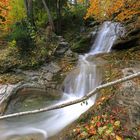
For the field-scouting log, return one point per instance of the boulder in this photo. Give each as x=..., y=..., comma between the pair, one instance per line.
x=129, y=98
x=131, y=40
x=60, y=38
x=62, y=48
x=52, y=67
x=127, y=43
x=23, y=97
x=48, y=76
x=82, y=45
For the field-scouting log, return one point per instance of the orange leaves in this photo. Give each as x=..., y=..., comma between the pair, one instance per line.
x=4, y=7
x=119, y=10
x=4, y=11
x=98, y=124
x=11, y=11
x=91, y=129
x=80, y=1
x=93, y=9
x=126, y=15
x=100, y=127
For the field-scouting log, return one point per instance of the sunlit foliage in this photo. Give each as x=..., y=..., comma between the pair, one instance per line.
x=18, y=10
x=118, y=10
x=11, y=11
x=4, y=11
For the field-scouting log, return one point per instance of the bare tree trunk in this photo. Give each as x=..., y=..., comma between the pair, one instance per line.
x=29, y=10
x=75, y=2
x=90, y=94
x=58, y=12
x=49, y=15
x=26, y=6
x=86, y=3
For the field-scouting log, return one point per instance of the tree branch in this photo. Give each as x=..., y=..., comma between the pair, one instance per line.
x=49, y=15
x=93, y=92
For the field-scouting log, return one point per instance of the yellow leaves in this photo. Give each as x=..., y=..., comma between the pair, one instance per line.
x=12, y=44
x=94, y=9
x=11, y=11
x=80, y=1
x=120, y=10
x=117, y=123
x=4, y=11
x=118, y=137
x=127, y=14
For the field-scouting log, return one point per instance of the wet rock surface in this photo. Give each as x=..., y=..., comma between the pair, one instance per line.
x=129, y=98
x=62, y=48
x=82, y=44
x=121, y=101
x=30, y=99
x=36, y=88
x=129, y=41
x=37, y=136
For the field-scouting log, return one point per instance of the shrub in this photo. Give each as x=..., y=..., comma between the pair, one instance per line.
x=74, y=15
x=21, y=34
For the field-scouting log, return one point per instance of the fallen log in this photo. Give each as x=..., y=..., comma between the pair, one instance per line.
x=91, y=93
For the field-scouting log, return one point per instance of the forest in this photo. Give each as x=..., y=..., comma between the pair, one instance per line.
x=69, y=69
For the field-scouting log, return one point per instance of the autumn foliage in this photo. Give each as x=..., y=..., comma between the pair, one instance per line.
x=117, y=10
x=11, y=11
x=4, y=11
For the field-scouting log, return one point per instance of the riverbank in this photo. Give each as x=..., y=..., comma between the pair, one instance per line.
x=115, y=113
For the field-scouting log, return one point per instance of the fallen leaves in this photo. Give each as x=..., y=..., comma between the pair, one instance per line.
x=105, y=125
x=117, y=123
x=101, y=126
x=118, y=137
x=108, y=121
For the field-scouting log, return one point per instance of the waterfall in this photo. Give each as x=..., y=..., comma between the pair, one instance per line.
x=107, y=35
x=78, y=83
x=87, y=77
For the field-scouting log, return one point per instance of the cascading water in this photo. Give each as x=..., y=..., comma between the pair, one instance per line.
x=78, y=83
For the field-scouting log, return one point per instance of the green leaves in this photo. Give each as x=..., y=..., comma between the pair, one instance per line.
x=12, y=43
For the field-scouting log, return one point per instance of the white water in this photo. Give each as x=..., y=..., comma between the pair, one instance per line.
x=79, y=82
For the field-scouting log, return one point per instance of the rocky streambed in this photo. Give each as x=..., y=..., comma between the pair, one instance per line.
x=43, y=87
x=22, y=90
x=116, y=111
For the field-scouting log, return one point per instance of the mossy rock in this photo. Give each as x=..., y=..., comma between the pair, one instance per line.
x=82, y=45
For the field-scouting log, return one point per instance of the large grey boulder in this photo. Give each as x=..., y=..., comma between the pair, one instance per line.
x=132, y=39
x=62, y=48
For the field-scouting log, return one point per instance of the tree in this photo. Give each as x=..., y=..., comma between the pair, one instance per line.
x=58, y=12
x=11, y=11
x=29, y=10
x=84, y=2
x=75, y=2
x=4, y=10
x=49, y=15
x=117, y=10
x=54, y=7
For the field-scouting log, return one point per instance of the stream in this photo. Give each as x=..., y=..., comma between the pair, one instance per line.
x=77, y=84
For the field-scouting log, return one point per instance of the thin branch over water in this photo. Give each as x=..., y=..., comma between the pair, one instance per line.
x=93, y=92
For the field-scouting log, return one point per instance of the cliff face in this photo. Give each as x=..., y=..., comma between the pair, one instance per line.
x=131, y=38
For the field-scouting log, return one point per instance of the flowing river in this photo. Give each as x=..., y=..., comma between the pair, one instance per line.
x=77, y=84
